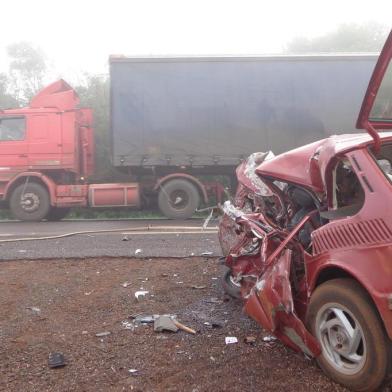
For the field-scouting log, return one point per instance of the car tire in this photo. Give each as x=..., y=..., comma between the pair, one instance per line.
x=57, y=213
x=355, y=348
x=178, y=199
x=229, y=285
x=29, y=202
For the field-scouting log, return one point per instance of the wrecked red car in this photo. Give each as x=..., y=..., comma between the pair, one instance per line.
x=308, y=243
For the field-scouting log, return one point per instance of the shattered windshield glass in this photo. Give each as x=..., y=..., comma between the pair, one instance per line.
x=382, y=108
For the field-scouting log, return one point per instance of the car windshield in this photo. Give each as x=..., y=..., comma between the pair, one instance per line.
x=382, y=108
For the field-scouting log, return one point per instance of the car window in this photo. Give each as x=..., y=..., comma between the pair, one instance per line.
x=12, y=128
x=348, y=194
x=383, y=158
x=382, y=108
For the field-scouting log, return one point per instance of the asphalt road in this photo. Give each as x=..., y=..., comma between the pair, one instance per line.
x=141, y=238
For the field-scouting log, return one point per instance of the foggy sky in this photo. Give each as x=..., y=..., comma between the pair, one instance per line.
x=79, y=35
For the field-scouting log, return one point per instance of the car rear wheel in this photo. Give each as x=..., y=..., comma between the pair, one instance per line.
x=178, y=199
x=30, y=202
x=355, y=348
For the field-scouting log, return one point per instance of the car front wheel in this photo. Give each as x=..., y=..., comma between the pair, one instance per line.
x=355, y=348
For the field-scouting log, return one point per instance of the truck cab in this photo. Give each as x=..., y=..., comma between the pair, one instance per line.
x=45, y=146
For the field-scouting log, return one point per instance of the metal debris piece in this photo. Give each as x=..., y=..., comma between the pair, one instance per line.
x=250, y=340
x=165, y=323
x=198, y=287
x=138, y=251
x=231, y=339
x=140, y=294
x=125, y=238
x=34, y=309
x=207, y=254
x=128, y=325
x=144, y=319
x=213, y=300
x=56, y=360
x=102, y=334
x=133, y=372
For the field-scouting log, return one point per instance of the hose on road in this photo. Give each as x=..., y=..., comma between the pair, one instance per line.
x=140, y=230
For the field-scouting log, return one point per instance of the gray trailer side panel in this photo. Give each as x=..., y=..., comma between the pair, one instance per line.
x=217, y=111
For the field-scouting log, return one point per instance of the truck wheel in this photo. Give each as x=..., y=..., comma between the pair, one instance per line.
x=178, y=199
x=230, y=286
x=29, y=202
x=57, y=213
x=355, y=348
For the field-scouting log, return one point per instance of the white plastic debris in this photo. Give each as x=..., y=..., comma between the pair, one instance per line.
x=269, y=338
x=102, y=334
x=141, y=294
x=128, y=325
x=138, y=251
x=133, y=372
x=125, y=284
x=34, y=309
x=231, y=339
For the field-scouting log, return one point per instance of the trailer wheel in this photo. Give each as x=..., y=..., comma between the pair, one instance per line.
x=29, y=202
x=355, y=348
x=57, y=213
x=178, y=199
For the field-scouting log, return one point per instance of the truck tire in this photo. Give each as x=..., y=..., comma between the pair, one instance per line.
x=57, y=213
x=355, y=348
x=29, y=202
x=178, y=199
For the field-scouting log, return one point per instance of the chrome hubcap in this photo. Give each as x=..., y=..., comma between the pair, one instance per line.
x=341, y=338
x=29, y=202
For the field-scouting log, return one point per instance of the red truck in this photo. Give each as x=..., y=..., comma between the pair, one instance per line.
x=174, y=122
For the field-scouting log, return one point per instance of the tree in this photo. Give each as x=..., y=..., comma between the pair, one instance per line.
x=27, y=70
x=7, y=100
x=368, y=37
x=94, y=94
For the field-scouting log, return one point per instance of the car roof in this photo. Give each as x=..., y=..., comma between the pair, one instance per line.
x=305, y=165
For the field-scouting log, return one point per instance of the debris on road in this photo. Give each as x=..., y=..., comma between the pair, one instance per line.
x=198, y=287
x=126, y=284
x=165, y=323
x=102, y=334
x=207, y=253
x=250, y=340
x=138, y=252
x=231, y=339
x=141, y=294
x=133, y=372
x=125, y=238
x=144, y=319
x=34, y=309
x=269, y=338
x=128, y=325
x=56, y=360
x=183, y=327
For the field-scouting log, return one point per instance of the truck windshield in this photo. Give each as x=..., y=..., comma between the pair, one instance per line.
x=382, y=108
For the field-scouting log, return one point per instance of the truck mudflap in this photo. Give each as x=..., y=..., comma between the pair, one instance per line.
x=270, y=303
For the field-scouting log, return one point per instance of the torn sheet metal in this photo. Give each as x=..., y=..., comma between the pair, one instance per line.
x=271, y=305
